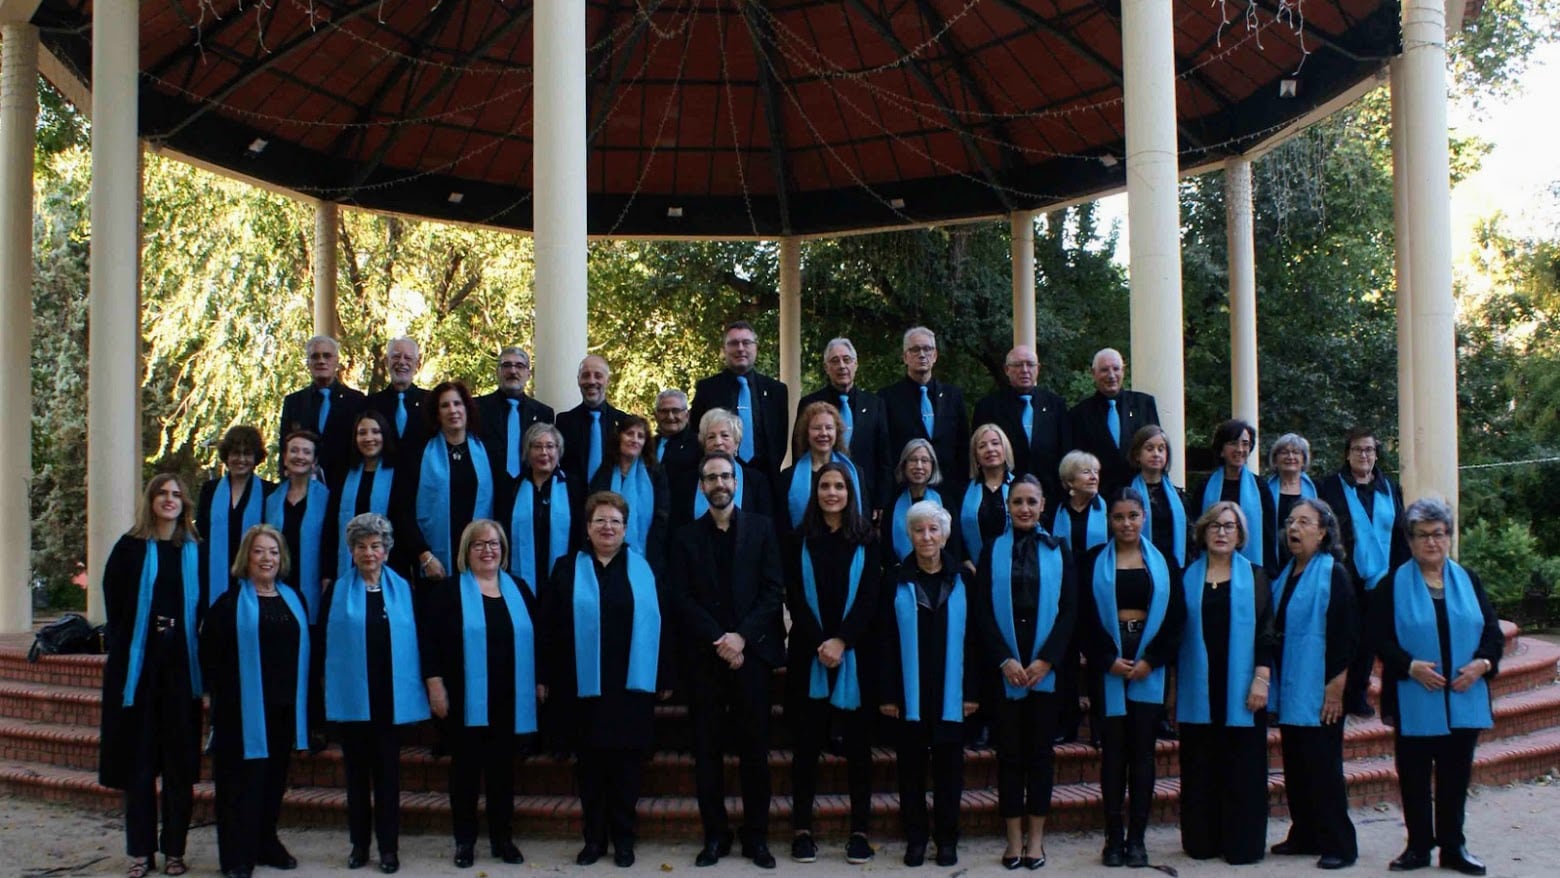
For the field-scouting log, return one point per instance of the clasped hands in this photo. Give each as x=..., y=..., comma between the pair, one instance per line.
x=1131, y=670
x=1024, y=677
x=1426, y=674
x=729, y=647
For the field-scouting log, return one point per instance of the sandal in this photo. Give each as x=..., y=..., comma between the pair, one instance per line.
x=174, y=866
x=140, y=867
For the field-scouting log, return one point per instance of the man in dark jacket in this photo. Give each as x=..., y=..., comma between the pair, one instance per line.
x=761, y=402
x=866, y=424
x=326, y=406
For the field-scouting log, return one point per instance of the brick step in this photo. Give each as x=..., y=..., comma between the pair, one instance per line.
x=1076, y=806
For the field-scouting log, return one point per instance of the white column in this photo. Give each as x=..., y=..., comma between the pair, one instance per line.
x=1408, y=456
x=1240, y=240
x=327, y=320
x=1433, y=311
x=558, y=181
x=18, y=116
x=113, y=470
x=1023, y=222
x=1153, y=215
x=791, y=318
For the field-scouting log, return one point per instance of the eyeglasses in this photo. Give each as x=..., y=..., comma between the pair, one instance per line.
x=921, y=350
x=670, y=412
x=741, y=342
x=518, y=367
x=544, y=446
x=1301, y=522
x=1363, y=450
x=486, y=545
x=606, y=522
x=1434, y=536
x=1224, y=527
x=715, y=478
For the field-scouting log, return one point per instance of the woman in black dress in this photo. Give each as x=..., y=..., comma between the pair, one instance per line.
x=604, y=662
x=631, y=471
x=229, y=505
x=832, y=585
x=447, y=484
x=1166, y=523
x=1287, y=482
x=479, y=664
x=982, y=511
x=367, y=487
x=1222, y=685
x=151, y=679
x=254, y=648
x=542, y=525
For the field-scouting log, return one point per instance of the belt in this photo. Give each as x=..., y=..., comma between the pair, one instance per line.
x=1131, y=626
x=164, y=623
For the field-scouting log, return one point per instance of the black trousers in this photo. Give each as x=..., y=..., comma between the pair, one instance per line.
x=1025, y=758
x=1127, y=755
x=481, y=757
x=371, y=752
x=165, y=745
x=1451, y=758
x=249, y=791
x=1318, y=799
x=914, y=749
x=731, y=707
x=1224, y=791
x=813, y=722
x=609, y=783
x=1357, y=683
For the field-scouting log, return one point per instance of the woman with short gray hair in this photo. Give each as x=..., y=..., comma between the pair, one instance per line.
x=918, y=476
x=1287, y=482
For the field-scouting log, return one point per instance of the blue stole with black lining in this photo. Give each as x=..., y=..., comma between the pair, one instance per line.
x=1096, y=530
x=522, y=543
x=307, y=565
x=639, y=491
x=433, y=494
x=800, y=488
x=346, y=510
x=346, y=651
x=1307, y=489
x=1422, y=712
x=905, y=615
x=702, y=505
x=218, y=553
x=1301, y=672
x=644, y=642
x=899, y=528
x=251, y=684
x=1049, y=600
x=1150, y=689
x=473, y=632
x=846, y=694
x=189, y=574
x=1177, y=516
x=1191, y=704
x=969, y=515
x=1250, y=506
x=1372, y=533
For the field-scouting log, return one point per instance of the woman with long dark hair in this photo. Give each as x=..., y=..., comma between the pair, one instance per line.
x=366, y=487
x=449, y=483
x=631, y=471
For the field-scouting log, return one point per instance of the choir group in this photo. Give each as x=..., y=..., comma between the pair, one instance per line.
x=540, y=581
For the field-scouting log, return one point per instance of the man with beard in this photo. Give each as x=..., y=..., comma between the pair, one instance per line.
x=506, y=413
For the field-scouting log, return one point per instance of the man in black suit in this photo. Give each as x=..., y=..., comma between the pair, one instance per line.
x=326, y=406
x=401, y=402
x=866, y=426
x=1038, y=449
x=677, y=447
x=587, y=427
x=727, y=596
x=766, y=417
x=1104, y=424
x=918, y=398
x=506, y=413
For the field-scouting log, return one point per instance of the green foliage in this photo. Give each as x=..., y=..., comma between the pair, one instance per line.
x=1508, y=561
x=1492, y=52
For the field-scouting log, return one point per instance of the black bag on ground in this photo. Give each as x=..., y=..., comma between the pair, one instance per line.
x=70, y=634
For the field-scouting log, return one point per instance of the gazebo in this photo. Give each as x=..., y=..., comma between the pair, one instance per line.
x=784, y=120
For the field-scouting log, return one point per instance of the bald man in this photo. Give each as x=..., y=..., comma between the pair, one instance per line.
x=1034, y=419
x=1104, y=423
x=593, y=419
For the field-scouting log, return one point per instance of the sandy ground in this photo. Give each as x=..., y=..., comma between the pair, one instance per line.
x=1515, y=829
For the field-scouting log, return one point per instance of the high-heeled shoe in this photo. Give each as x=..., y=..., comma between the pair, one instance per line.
x=1011, y=862
x=1033, y=863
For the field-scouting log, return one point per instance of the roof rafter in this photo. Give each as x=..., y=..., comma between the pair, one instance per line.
x=761, y=34
x=957, y=55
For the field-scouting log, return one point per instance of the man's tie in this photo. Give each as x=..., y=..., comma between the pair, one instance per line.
x=847, y=417
x=1028, y=418
x=593, y=457
x=1113, y=421
x=660, y=449
x=512, y=454
x=324, y=409
x=400, y=414
x=745, y=412
x=927, y=420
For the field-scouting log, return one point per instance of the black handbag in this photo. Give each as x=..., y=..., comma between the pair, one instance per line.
x=70, y=634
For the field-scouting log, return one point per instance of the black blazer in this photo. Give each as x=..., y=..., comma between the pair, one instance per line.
x=383, y=401
x=886, y=665
x=902, y=404
x=575, y=426
x=493, y=416
x=1053, y=436
x=301, y=410
x=1137, y=410
x=771, y=413
x=868, y=440
x=1331, y=488
x=754, y=595
x=680, y=461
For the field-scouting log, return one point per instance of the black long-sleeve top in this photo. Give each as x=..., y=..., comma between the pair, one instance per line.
x=279, y=640
x=1229, y=491
x=442, y=646
x=1025, y=586
x=656, y=538
x=379, y=666
x=932, y=591
x=1099, y=647
x=460, y=499
x=1343, y=622
x=235, y=521
x=831, y=557
x=330, y=541
x=1163, y=525
x=1215, y=613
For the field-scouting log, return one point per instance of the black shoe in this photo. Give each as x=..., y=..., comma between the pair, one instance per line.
x=858, y=850
x=277, y=857
x=915, y=855
x=1409, y=860
x=509, y=852
x=1329, y=861
x=1113, y=855
x=465, y=856
x=389, y=863
x=759, y=853
x=624, y=857
x=804, y=849
x=948, y=855
x=588, y=854
x=1461, y=861
x=358, y=858
x=1011, y=863
x=709, y=855
x=1135, y=855
x=1287, y=848
x=237, y=873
